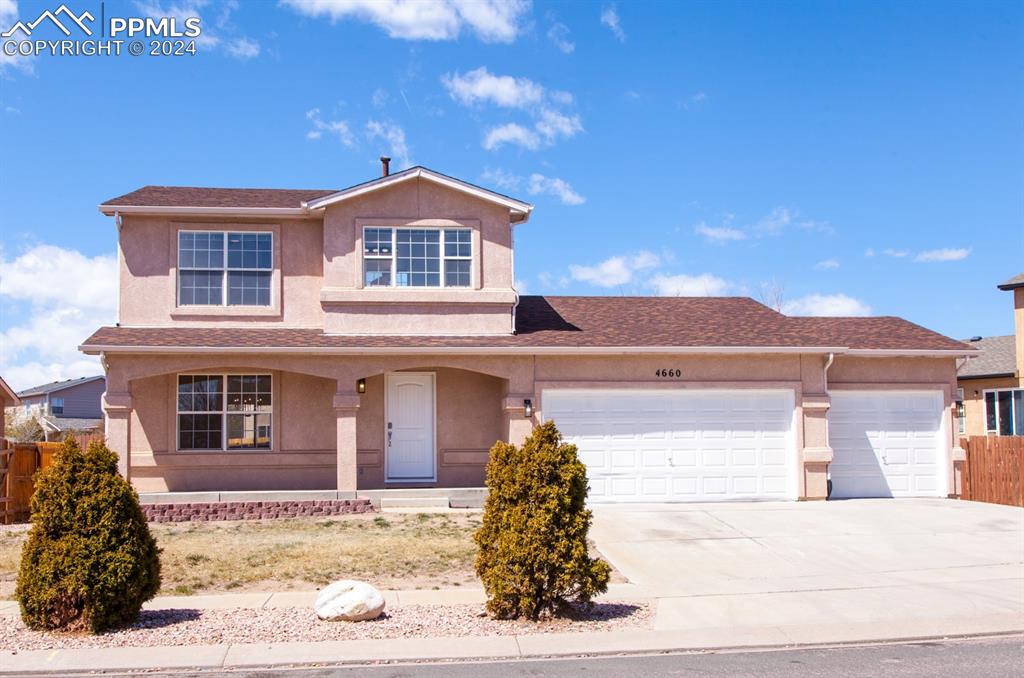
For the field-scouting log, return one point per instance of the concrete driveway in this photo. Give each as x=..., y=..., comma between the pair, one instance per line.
x=898, y=568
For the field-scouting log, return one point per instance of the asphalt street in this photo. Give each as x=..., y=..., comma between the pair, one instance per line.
x=976, y=658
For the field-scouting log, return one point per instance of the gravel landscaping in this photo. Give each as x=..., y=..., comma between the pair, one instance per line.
x=297, y=624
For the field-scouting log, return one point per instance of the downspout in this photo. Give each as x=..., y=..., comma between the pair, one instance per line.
x=512, y=243
x=828, y=364
x=118, y=222
x=828, y=437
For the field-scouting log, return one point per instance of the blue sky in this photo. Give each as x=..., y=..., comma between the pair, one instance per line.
x=848, y=158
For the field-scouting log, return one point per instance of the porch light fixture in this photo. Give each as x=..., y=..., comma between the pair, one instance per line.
x=528, y=407
x=360, y=386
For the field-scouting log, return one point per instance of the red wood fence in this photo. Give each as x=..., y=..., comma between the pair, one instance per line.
x=994, y=470
x=19, y=463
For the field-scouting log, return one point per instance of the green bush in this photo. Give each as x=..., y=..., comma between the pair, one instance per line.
x=90, y=560
x=533, y=557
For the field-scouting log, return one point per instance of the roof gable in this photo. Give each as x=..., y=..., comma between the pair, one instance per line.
x=520, y=210
x=55, y=386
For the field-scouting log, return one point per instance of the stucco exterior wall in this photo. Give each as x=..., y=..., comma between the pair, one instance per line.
x=479, y=400
x=438, y=311
x=974, y=401
x=148, y=274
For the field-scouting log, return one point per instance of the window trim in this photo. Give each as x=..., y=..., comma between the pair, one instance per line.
x=53, y=406
x=224, y=269
x=223, y=412
x=396, y=225
x=1013, y=408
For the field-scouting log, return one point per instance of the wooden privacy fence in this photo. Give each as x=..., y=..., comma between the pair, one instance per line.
x=19, y=463
x=994, y=470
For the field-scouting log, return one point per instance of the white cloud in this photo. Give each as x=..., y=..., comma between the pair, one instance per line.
x=682, y=285
x=481, y=86
x=610, y=18
x=221, y=33
x=945, y=254
x=549, y=124
x=380, y=97
x=615, y=271
x=869, y=252
x=558, y=34
x=826, y=305
x=521, y=286
x=489, y=20
x=719, y=234
x=338, y=128
x=553, y=124
x=540, y=184
x=827, y=264
x=395, y=136
x=694, y=100
x=242, y=48
x=67, y=296
x=896, y=254
x=775, y=222
x=511, y=133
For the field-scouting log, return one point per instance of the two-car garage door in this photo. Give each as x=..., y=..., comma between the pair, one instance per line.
x=708, y=445
x=680, y=445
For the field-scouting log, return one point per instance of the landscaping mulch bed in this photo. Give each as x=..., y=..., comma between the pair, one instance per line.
x=298, y=624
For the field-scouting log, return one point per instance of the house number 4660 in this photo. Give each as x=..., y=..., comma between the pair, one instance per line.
x=668, y=373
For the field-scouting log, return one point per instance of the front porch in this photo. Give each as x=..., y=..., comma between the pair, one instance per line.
x=231, y=426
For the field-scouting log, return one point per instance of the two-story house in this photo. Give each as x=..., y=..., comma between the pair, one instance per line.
x=992, y=382
x=62, y=407
x=372, y=337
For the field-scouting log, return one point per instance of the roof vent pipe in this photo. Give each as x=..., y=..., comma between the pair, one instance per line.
x=385, y=163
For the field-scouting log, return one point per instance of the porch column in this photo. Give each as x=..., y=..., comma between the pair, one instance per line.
x=117, y=411
x=346, y=406
x=817, y=453
x=517, y=425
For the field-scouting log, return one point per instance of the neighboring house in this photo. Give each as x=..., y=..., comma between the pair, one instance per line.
x=7, y=399
x=992, y=383
x=63, y=407
x=372, y=337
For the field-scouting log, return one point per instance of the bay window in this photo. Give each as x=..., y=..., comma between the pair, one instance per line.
x=417, y=257
x=224, y=412
x=223, y=268
x=1004, y=412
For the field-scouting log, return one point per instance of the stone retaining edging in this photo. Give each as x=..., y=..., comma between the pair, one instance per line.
x=253, y=510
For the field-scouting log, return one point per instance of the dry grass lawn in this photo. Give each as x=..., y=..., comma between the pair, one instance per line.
x=392, y=551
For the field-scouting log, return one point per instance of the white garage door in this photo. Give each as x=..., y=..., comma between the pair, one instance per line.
x=655, y=445
x=887, y=444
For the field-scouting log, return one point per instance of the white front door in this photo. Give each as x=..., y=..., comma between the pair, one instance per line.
x=679, y=445
x=887, y=444
x=409, y=426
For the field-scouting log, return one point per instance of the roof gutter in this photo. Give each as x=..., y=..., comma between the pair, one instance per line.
x=112, y=210
x=464, y=350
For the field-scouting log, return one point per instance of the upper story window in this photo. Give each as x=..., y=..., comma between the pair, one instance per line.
x=1004, y=412
x=417, y=257
x=57, y=406
x=221, y=268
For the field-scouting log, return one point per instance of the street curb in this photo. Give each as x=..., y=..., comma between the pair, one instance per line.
x=219, y=656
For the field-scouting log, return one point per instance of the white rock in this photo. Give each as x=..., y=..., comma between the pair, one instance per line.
x=349, y=600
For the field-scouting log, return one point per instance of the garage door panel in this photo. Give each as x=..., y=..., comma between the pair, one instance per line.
x=887, y=444
x=673, y=445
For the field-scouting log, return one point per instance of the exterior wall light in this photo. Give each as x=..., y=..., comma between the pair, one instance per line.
x=528, y=406
x=360, y=386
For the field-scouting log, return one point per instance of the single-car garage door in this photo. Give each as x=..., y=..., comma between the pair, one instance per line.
x=694, y=445
x=887, y=444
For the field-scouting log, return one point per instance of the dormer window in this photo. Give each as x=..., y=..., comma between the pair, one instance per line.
x=417, y=257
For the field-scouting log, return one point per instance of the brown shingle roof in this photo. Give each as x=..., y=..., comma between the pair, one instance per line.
x=586, y=322
x=191, y=196
x=998, y=358
x=1013, y=283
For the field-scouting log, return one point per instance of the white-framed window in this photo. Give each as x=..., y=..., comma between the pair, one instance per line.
x=57, y=406
x=224, y=411
x=417, y=257
x=1004, y=411
x=225, y=268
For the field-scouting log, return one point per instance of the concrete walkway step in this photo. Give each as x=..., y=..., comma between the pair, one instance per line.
x=399, y=502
